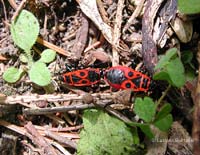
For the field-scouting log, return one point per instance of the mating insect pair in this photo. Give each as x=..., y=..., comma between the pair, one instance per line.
x=118, y=77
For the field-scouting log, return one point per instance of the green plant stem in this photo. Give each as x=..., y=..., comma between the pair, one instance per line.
x=29, y=57
x=163, y=95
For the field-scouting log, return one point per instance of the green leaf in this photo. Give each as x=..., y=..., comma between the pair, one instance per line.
x=25, y=30
x=136, y=139
x=103, y=134
x=47, y=56
x=162, y=75
x=144, y=127
x=12, y=74
x=40, y=74
x=145, y=109
x=147, y=130
x=189, y=6
x=176, y=71
x=186, y=57
x=190, y=74
x=164, y=111
x=166, y=58
x=165, y=123
x=171, y=69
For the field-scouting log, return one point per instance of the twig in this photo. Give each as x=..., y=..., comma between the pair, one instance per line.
x=102, y=100
x=149, y=49
x=134, y=15
x=42, y=111
x=21, y=130
x=18, y=9
x=117, y=114
x=60, y=148
x=163, y=95
x=2, y=58
x=45, y=23
x=39, y=140
x=64, y=129
x=4, y=10
x=81, y=39
x=64, y=141
x=53, y=47
x=51, y=98
x=117, y=33
x=56, y=119
x=196, y=116
x=102, y=11
x=94, y=45
x=13, y=4
x=13, y=127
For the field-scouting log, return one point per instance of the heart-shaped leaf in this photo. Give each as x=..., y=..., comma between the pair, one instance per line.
x=40, y=74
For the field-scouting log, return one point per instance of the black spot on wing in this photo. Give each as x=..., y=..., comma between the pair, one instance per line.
x=93, y=76
x=82, y=73
x=84, y=81
x=75, y=79
x=130, y=74
x=137, y=81
x=67, y=79
x=128, y=85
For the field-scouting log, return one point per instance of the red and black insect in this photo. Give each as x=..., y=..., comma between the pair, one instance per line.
x=82, y=77
x=122, y=77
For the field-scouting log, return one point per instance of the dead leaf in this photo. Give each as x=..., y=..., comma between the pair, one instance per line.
x=183, y=29
x=179, y=143
x=89, y=7
x=158, y=145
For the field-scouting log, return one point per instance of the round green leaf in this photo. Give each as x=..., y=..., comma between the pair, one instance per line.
x=164, y=111
x=12, y=74
x=162, y=75
x=25, y=30
x=40, y=74
x=165, y=123
x=176, y=72
x=47, y=56
x=166, y=58
x=145, y=109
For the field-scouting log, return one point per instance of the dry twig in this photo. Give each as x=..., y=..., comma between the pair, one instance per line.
x=53, y=47
x=51, y=98
x=18, y=9
x=13, y=4
x=134, y=15
x=39, y=140
x=117, y=32
x=196, y=116
x=64, y=141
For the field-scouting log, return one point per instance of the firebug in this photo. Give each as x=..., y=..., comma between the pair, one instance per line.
x=82, y=77
x=122, y=77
